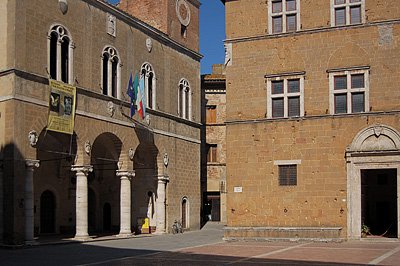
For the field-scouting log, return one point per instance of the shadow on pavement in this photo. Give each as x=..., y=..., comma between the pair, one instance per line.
x=87, y=254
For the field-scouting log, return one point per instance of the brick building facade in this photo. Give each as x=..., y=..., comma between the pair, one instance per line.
x=213, y=171
x=113, y=170
x=312, y=130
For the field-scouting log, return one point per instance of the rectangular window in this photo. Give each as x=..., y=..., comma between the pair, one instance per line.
x=285, y=95
x=211, y=153
x=340, y=15
x=211, y=114
x=357, y=102
x=294, y=106
x=283, y=16
x=294, y=85
x=290, y=5
x=277, y=87
x=277, y=107
x=346, y=12
x=277, y=24
x=349, y=91
x=340, y=103
x=276, y=6
x=288, y=175
x=355, y=14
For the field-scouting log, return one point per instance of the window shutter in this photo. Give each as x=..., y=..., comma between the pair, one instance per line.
x=291, y=22
x=290, y=5
x=277, y=87
x=358, y=102
x=294, y=106
x=355, y=14
x=357, y=81
x=276, y=6
x=277, y=107
x=340, y=14
x=277, y=22
x=340, y=83
x=294, y=85
x=340, y=103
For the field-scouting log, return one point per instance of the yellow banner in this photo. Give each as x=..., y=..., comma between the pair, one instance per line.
x=61, y=107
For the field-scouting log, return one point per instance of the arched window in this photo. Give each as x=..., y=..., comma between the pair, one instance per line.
x=111, y=69
x=150, y=85
x=185, y=100
x=60, y=46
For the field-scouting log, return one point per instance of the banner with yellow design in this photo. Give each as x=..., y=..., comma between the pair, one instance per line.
x=61, y=107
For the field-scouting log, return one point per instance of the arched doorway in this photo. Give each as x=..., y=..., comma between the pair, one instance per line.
x=185, y=212
x=373, y=176
x=144, y=184
x=47, y=212
x=56, y=153
x=103, y=180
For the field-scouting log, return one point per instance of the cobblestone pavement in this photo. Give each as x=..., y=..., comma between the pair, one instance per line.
x=205, y=247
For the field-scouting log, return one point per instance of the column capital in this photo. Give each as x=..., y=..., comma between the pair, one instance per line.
x=82, y=168
x=163, y=178
x=30, y=163
x=126, y=173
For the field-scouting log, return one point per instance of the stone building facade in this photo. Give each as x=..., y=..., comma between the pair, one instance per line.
x=312, y=123
x=113, y=171
x=213, y=171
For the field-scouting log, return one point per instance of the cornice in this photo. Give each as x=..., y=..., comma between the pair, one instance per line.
x=311, y=31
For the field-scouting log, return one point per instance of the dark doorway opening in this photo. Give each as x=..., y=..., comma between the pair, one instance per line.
x=379, y=201
x=107, y=217
x=184, y=209
x=212, y=206
x=47, y=212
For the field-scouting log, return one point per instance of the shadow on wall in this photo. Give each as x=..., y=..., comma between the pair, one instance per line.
x=12, y=195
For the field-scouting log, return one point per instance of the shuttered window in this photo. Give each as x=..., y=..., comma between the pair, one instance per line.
x=211, y=114
x=294, y=106
x=355, y=14
x=340, y=16
x=287, y=175
x=277, y=24
x=357, y=102
x=283, y=16
x=285, y=96
x=276, y=6
x=349, y=91
x=340, y=103
x=294, y=85
x=340, y=83
x=357, y=81
x=291, y=23
x=347, y=12
x=277, y=87
x=211, y=153
x=277, y=107
x=290, y=5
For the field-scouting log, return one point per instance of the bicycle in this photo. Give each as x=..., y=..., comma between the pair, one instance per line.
x=177, y=227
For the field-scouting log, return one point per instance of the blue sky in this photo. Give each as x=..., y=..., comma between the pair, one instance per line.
x=212, y=33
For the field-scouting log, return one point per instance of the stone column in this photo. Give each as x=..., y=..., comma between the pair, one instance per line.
x=82, y=200
x=125, y=202
x=160, y=203
x=29, y=201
